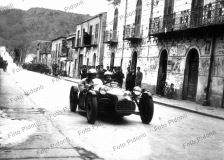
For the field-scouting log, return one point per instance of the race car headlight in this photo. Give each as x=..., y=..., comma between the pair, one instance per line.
x=137, y=90
x=127, y=95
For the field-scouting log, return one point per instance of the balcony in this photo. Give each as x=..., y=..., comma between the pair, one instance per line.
x=208, y=15
x=87, y=39
x=110, y=37
x=132, y=32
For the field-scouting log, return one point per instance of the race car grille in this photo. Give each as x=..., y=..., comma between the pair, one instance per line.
x=125, y=106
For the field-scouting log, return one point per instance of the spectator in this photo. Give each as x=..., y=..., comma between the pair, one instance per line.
x=165, y=89
x=101, y=72
x=130, y=80
x=120, y=76
x=114, y=73
x=84, y=72
x=133, y=79
x=139, y=76
x=108, y=68
x=171, y=92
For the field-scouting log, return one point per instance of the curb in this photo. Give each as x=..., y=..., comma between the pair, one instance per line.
x=189, y=110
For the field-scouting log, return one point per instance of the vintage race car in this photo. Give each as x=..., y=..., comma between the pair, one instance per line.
x=111, y=99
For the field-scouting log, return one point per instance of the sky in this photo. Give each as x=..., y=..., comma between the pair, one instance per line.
x=91, y=7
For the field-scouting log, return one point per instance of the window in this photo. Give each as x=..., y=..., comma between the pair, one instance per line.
x=115, y=19
x=138, y=13
x=168, y=7
x=90, y=30
x=83, y=31
x=56, y=50
x=197, y=3
x=96, y=31
x=78, y=38
x=87, y=63
x=138, y=16
x=73, y=43
x=59, y=49
x=75, y=64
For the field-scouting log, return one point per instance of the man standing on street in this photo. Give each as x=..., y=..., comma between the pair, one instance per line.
x=130, y=79
x=139, y=76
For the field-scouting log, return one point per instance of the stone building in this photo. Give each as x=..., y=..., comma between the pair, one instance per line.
x=45, y=52
x=56, y=51
x=126, y=37
x=189, y=36
x=89, y=48
x=71, y=52
x=173, y=41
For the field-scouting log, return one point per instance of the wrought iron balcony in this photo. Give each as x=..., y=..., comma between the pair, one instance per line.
x=87, y=39
x=210, y=14
x=132, y=32
x=110, y=37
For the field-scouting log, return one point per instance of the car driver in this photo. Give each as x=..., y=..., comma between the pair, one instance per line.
x=107, y=77
x=89, y=81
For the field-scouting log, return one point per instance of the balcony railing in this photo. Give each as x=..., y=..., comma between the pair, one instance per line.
x=110, y=36
x=132, y=32
x=87, y=39
x=210, y=14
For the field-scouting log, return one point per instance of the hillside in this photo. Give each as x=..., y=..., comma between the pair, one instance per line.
x=18, y=26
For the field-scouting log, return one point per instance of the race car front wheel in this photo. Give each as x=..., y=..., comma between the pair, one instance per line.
x=73, y=99
x=146, y=108
x=91, y=109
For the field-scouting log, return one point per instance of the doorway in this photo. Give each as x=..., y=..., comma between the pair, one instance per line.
x=94, y=60
x=134, y=60
x=191, y=76
x=162, y=73
x=112, y=61
x=80, y=63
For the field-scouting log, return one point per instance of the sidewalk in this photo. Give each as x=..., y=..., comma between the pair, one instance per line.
x=23, y=144
x=179, y=104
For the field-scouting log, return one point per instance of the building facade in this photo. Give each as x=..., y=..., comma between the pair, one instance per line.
x=56, y=51
x=189, y=37
x=173, y=41
x=71, y=53
x=126, y=38
x=45, y=52
x=89, y=47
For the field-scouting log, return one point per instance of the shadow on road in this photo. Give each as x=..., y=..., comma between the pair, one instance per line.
x=109, y=119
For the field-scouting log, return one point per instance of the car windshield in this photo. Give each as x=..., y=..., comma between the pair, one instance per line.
x=113, y=84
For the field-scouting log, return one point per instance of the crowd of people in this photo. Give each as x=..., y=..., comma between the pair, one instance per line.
x=133, y=78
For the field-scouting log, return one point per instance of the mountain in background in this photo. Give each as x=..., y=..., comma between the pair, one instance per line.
x=19, y=27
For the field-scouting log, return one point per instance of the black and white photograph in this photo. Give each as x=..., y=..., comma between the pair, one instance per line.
x=112, y=80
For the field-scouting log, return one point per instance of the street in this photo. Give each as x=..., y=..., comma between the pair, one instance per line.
x=36, y=123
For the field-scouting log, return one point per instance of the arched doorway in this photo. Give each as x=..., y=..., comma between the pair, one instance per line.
x=191, y=75
x=80, y=63
x=162, y=73
x=112, y=61
x=134, y=60
x=94, y=59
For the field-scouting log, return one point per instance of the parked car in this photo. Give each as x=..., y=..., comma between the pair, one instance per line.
x=113, y=100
